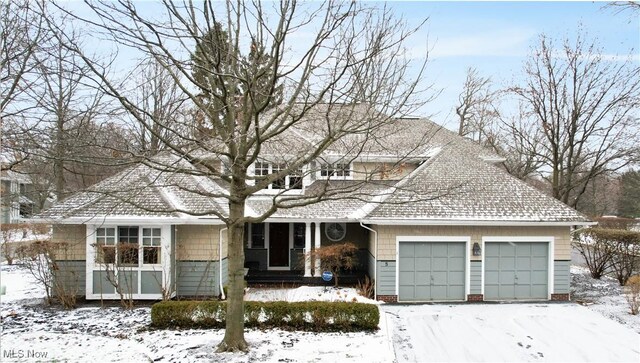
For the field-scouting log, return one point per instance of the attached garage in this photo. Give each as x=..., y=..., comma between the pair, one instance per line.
x=432, y=269
x=517, y=269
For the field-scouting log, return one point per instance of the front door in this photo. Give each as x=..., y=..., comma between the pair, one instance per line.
x=278, y=244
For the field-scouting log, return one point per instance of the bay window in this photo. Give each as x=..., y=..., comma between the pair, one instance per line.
x=122, y=245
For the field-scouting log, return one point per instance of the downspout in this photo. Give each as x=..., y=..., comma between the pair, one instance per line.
x=375, y=260
x=220, y=264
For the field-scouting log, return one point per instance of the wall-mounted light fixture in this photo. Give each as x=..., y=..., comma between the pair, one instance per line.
x=476, y=249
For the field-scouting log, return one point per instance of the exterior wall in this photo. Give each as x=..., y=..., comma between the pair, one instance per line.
x=74, y=237
x=387, y=236
x=386, y=270
x=197, y=278
x=476, y=277
x=355, y=234
x=71, y=275
x=380, y=171
x=386, y=283
x=199, y=243
x=561, y=276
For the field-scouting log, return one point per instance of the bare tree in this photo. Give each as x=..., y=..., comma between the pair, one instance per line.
x=21, y=33
x=582, y=103
x=161, y=99
x=476, y=108
x=349, y=81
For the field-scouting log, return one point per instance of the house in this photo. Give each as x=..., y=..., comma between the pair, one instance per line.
x=16, y=192
x=434, y=216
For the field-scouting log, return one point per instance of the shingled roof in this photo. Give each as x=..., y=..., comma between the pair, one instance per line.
x=149, y=189
x=456, y=186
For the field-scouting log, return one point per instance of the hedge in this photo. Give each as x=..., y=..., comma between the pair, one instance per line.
x=318, y=316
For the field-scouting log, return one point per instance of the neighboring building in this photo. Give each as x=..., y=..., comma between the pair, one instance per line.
x=436, y=220
x=16, y=192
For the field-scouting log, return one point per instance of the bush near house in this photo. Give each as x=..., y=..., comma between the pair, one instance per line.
x=609, y=250
x=317, y=316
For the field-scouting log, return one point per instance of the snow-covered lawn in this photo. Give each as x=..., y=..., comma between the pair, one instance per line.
x=460, y=332
x=112, y=334
x=603, y=296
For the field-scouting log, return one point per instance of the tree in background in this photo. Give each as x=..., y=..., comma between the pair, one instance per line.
x=629, y=201
x=578, y=117
x=476, y=108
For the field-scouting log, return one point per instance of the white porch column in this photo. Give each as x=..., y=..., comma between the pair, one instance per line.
x=317, y=245
x=307, y=249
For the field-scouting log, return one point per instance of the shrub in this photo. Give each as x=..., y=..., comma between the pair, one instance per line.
x=366, y=288
x=596, y=251
x=315, y=316
x=336, y=257
x=632, y=293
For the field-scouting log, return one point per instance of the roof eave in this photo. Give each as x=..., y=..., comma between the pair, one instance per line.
x=452, y=222
x=129, y=220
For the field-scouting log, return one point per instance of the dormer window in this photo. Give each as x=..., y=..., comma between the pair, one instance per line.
x=339, y=170
x=291, y=181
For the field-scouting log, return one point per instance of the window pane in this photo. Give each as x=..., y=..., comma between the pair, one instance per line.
x=257, y=235
x=151, y=255
x=298, y=235
x=128, y=235
x=128, y=254
x=106, y=254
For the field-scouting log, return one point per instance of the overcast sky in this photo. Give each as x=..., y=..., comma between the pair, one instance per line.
x=495, y=38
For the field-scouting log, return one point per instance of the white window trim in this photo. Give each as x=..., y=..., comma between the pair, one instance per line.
x=165, y=261
x=334, y=177
x=542, y=239
x=467, y=263
x=287, y=191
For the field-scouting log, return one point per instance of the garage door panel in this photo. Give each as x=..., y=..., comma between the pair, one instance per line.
x=439, y=250
x=407, y=291
x=539, y=263
x=423, y=264
x=520, y=271
x=407, y=250
x=423, y=277
x=539, y=250
x=406, y=264
x=523, y=262
x=434, y=272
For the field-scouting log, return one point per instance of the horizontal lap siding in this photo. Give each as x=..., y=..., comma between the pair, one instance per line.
x=476, y=277
x=561, y=277
x=197, y=278
x=386, y=278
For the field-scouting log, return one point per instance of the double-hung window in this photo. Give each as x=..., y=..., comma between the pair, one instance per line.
x=106, y=245
x=151, y=242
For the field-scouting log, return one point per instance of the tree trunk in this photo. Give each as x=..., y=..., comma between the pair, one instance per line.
x=234, y=331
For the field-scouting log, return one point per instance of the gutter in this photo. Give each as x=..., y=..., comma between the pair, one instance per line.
x=220, y=263
x=375, y=261
x=470, y=222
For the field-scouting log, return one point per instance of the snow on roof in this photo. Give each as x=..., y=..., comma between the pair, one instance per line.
x=458, y=186
x=454, y=185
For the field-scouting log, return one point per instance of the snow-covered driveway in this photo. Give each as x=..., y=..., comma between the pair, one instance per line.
x=508, y=333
